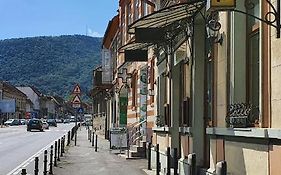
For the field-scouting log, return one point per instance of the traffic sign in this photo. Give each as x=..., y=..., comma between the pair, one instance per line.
x=76, y=100
x=77, y=89
x=74, y=105
x=80, y=110
x=220, y=4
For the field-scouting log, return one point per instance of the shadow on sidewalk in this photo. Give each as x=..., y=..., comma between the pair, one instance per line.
x=83, y=160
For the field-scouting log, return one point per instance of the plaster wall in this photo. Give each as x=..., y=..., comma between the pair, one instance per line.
x=275, y=81
x=246, y=158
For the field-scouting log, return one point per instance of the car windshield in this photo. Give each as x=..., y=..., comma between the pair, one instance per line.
x=50, y=120
x=34, y=121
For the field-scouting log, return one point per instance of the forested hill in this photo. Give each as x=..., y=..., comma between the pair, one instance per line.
x=52, y=64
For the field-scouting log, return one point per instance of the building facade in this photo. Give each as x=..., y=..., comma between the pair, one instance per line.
x=10, y=92
x=211, y=81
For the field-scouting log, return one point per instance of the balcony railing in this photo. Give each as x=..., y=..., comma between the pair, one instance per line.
x=166, y=3
x=241, y=115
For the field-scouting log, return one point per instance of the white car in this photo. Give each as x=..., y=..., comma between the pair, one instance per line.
x=45, y=125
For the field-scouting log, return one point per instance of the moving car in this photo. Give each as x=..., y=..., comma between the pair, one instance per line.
x=35, y=124
x=12, y=122
x=52, y=122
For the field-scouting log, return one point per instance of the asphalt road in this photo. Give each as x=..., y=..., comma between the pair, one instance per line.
x=17, y=145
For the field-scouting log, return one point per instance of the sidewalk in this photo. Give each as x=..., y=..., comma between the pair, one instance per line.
x=83, y=160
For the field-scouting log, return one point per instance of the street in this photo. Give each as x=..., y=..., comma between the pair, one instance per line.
x=17, y=145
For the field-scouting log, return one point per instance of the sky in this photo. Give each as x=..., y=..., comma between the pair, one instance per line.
x=28, y=18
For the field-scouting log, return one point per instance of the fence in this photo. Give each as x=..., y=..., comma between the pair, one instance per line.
x=50, y=157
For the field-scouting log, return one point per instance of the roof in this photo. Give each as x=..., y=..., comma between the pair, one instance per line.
x=12, y=89
x=110, y=32
x=166, y=16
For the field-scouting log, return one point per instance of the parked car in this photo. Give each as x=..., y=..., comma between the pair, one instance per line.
x=23, y=122
x=45, y=125
x=59, y=120
x=52, y=122
x=66, y=121
x=12, y=122
x=35, y=124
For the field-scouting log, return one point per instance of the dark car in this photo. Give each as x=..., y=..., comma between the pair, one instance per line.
x=35, y=124
x=52, y=122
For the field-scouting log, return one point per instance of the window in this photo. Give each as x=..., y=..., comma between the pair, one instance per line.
x=134, y=89
x=185, y=110
x=136, y=10
x=129, y=19
x=253, y=57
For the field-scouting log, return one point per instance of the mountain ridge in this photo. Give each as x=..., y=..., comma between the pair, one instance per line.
x=53, y=64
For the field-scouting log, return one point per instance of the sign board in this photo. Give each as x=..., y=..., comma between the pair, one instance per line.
x=8, y=106
x=123, y=104
x=107, y=73
x=136, y=55
x=118, y=138
x=76, y=90
x=143, y=100
x=76, y=100
x=220, y=4
x=80, y=110
x=76, y=105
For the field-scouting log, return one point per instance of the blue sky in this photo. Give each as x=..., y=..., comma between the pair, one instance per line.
x=27, y=18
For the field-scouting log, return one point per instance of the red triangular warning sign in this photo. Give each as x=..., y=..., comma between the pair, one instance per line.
x=76, y=100
x=76, y=90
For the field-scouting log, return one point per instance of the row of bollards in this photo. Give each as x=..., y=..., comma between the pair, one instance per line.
x=93, y=139
x=56, y=151
x=221, y=167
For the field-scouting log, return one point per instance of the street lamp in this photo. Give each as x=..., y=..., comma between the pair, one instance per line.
x=213, y=31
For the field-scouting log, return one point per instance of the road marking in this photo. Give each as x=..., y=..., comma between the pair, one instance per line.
x=25, y=163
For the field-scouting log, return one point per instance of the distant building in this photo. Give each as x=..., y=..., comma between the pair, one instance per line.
x=34, y=95
x=9, y=92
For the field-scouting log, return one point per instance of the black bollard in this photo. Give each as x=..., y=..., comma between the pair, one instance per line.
x=51, y=160
x=191, y=160
x=68, y=138
x=75, y=139
x=72, y=133
x=45, y=162
x=168, y=161
x=56, y=150
x=221, y=168
x=149, y=156
x=90, y=136
x=61, y=151
x=23, y=172
x=175, y=156
x=36, y=168
x=93, y=139
x=96, y=144
x=158, y=164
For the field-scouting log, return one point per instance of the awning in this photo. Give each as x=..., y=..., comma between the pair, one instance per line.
x=135, y=46
x=168, y=15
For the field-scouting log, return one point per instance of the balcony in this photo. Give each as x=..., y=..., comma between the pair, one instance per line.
x=242, y=115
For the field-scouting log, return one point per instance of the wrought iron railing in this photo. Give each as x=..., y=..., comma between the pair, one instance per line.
x=135, y=134
x=166, y=3
x=242, y=115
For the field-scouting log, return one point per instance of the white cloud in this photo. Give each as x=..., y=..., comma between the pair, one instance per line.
x=92, y=33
